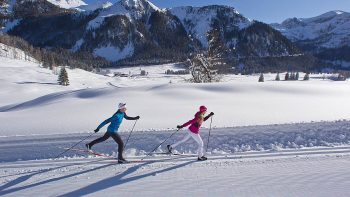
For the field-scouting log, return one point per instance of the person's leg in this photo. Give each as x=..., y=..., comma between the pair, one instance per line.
x=120, y=143
x=187, y=137
x=200, y=143
x=98, y=140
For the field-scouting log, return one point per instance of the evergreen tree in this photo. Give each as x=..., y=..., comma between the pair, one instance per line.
x=63, y=77
x=261, y=78
x=292, y=76
x=277, y=77
x=286, y=77
x=341, y=77
x=306, y=77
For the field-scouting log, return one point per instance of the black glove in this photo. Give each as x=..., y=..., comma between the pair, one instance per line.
x=179, y=126
x=137, y=117
x=211, y=114
x=96, y=130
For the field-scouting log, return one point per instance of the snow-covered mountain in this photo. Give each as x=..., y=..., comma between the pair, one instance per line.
x=137, y=31
x=329, y=30
x=132, y=9
x=22, y=9
x=326, y=36
x=199, y=20
x=6, y=7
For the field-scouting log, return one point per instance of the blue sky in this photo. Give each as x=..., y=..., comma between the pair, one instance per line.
x=268, y=11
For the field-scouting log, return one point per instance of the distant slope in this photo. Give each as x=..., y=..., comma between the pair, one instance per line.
x=327, y=36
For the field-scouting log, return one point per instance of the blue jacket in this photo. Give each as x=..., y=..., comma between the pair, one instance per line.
x=115, y=121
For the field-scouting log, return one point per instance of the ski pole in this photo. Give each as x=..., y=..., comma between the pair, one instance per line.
x=130, y=134
x=73, y=146
x=211, y=120
x=160, y=144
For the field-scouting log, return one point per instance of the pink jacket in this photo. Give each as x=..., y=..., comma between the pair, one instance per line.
x=195, y=123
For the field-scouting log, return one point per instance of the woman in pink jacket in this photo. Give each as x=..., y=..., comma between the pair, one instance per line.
x=193, y=131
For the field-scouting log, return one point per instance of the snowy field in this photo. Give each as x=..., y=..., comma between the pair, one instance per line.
x=31, y=102
x=268, y=139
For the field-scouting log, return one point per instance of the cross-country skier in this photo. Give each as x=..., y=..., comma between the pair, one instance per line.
x=112, y=130
x=193, y=131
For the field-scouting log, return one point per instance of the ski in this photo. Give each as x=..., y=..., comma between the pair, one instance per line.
x=133, y=161
x=176, y=154
x=90, y=152
x=102, y=155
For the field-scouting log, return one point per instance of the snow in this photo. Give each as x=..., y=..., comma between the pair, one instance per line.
x=9, y=4
x=77, y=45
x=304, y=138
x=133, y=9
x=67, y=4
x=139, y=4
x=91, y=98
x=202, y=20
x=113, y=54
x=331, y=28
x=286, y=138
x=316, y=173
x=14, y=53
x=95, y=23
x=96, y=5
x=116, y=9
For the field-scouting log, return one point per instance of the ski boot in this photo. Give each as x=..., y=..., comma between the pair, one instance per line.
x=122, y=161
x=88, y=147
x=170, y=149
x=203, y=158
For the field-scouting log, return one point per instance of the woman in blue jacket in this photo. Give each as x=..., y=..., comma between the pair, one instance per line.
x=112, y=130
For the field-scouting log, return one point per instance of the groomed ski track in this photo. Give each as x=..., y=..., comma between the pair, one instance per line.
x=308, y=159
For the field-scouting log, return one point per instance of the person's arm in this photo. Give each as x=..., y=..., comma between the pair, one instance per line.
x=131, y=118
x=189, y=122
x=103, y=124
x=208, y=116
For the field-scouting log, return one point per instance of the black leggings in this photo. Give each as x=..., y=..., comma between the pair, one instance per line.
x=116, y=138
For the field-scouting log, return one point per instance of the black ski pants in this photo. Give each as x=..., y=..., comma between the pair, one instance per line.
x=116, y=137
